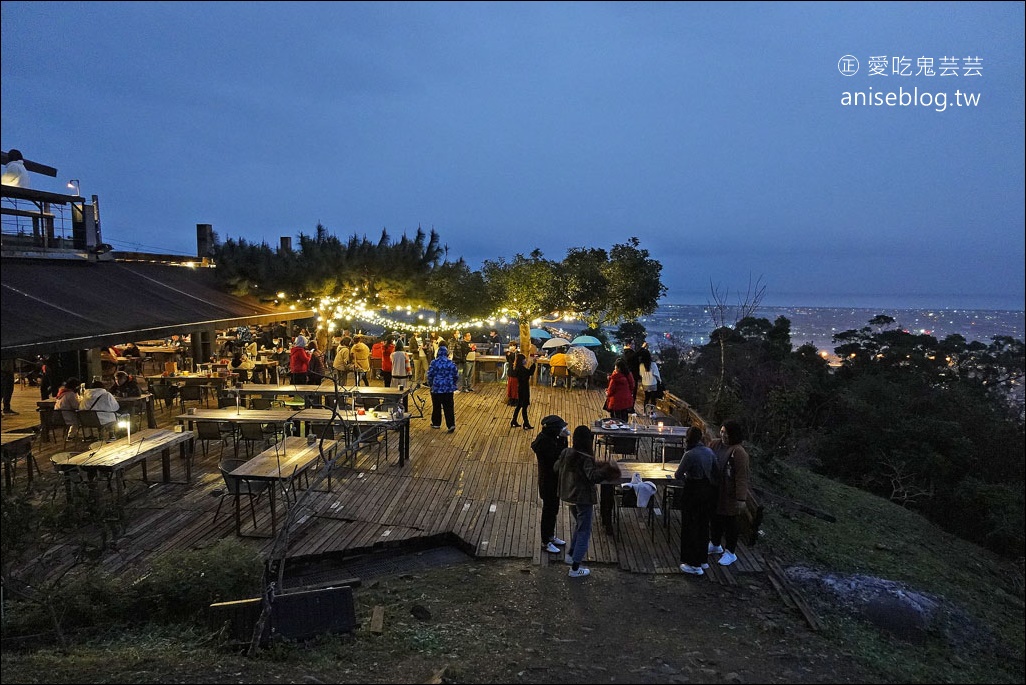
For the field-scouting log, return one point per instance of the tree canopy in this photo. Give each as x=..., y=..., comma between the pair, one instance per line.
x=598, y=286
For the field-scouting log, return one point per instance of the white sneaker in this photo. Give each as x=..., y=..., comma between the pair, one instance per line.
x=552, y=549
x=728, y=558
x=569, y=558
x=705, y=565
x=557, y=541
x=715, y=549
x=693, y=570
x=579, y=573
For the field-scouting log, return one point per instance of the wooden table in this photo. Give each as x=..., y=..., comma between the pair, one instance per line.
x=277, y=467
x=345, y=420
x=319, y=392
x=113, y=458
x=497, y=360
x=15, y=446
x=644, y=430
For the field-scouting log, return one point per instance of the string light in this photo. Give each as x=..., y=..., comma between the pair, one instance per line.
x=334, y=310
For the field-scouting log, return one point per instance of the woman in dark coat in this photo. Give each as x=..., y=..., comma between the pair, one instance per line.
x=507, y=372
x=522, y=372
x=549, y=444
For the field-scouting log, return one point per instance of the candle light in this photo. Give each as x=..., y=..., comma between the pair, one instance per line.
x=660, y=424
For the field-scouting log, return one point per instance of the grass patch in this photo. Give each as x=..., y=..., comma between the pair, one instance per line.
x=875, y=537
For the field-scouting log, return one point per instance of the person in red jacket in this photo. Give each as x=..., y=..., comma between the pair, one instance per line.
x=387, y=348
x=620, y=391
x=299, y=364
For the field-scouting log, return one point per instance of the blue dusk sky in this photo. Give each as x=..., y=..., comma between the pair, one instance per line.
x=724, y=136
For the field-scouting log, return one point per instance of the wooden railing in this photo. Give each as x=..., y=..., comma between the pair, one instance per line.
x=671, y=405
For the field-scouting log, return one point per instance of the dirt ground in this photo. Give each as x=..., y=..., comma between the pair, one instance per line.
x=509, y=621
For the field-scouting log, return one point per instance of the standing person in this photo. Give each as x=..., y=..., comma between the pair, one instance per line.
x=49, y=375
x=459, y=349
x=522, y=373
x=341, y=363
x=733, y=465
x=376, y=350
x=578, y=474
x=697, y=471
x=494, y=341
x=469, y=361
x=401, y=367
x=547, y=447
x=620, y=391
x=359, y=355
x=630, y=355
x=442, y=376
x=650, y=378
x=387, y=348
x=7, y=385
x=299, y=363
x=317, y=369
x=418, y=354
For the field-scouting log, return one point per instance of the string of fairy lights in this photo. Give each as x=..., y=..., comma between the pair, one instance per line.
x=335, y=313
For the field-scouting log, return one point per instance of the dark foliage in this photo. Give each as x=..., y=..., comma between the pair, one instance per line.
x=936, y=426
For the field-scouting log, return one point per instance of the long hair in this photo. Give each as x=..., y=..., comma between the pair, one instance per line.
x=735, y=432
x=583, y=439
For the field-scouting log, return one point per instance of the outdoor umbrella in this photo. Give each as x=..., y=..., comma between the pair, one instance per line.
x=540, y=333
x=581, y=362
x=556, y=342
x=587, y=341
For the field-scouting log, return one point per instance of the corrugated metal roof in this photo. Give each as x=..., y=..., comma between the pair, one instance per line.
x=54, y=306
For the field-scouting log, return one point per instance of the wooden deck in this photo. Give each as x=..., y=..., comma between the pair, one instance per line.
x=476, y=488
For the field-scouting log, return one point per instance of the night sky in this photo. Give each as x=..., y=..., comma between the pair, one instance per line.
x=716, y=133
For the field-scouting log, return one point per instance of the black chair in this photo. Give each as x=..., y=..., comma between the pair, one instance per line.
x=89, y=419
x=260, y=402
x=54, y=423
x=238, y=488
x=192, y=393
x=250, y=433
x=627, y=500
x=622, y=447
x=673, y=501
x=209, y=431
x=164, y=392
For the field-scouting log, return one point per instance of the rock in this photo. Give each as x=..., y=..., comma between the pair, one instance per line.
x=897, y=617
x=420, y=613
x=733, y=677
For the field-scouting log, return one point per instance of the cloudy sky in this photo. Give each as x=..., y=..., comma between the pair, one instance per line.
x=719, y=134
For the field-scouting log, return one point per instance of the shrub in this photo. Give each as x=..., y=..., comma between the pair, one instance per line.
x=182, y=584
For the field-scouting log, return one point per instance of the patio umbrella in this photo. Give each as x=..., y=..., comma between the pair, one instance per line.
x=556, y=342
x=587, y=341
x=581, y=362
x=540, y=333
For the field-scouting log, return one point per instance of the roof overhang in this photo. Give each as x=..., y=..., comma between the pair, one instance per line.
x=57, y=306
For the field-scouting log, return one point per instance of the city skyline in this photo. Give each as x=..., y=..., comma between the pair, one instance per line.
x=865, y=154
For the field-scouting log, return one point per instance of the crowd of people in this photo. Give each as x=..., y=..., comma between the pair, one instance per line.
x=713, y=474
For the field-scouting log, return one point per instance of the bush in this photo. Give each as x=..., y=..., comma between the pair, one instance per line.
x=181, y=585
